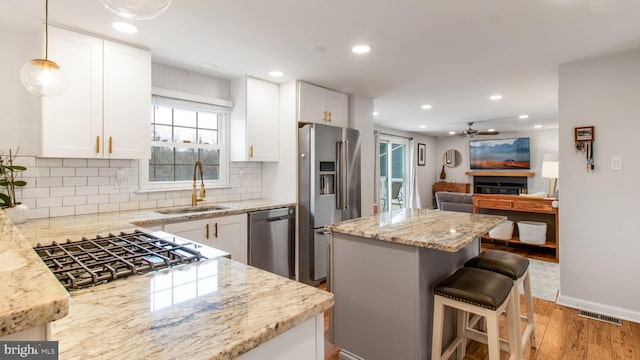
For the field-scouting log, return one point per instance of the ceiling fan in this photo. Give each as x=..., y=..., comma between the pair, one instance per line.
x=470, y=132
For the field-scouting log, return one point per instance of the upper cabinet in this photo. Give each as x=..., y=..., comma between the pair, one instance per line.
x=255, y=124
x=322, y=106
x=105, y=110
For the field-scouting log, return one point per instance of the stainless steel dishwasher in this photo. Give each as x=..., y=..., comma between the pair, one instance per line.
x=272, y=241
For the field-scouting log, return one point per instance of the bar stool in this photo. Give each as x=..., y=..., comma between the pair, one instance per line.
x=517, y=268
x=481, y=292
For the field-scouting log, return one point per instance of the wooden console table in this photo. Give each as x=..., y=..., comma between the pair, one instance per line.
x=522, y=208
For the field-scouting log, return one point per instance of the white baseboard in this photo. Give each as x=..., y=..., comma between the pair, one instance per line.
x=580, y=304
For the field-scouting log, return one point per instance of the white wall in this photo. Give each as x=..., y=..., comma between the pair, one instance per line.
x=20, y=108
x=599, y=210
x=544, y=146
x=361, y=116
x=172, y=78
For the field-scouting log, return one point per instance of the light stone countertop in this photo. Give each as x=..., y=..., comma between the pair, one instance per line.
x=214, y=309
x=440, y=230
x=31, y=295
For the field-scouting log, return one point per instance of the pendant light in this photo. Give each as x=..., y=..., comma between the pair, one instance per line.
x=137, y=9
x=42, y=76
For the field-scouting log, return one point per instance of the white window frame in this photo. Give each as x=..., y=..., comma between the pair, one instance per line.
x=190, y=102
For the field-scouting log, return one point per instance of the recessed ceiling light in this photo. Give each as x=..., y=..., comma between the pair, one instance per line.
x=375, y=113
x=423, y=126
x=491, y=130
x=208, y=66
x=361, y=49
x=319, y=48
x=426, y=106
x=452, y=132
x=495, y=97
x=537, y=126
x=125, y=27
x=523, y=116
x=276, y=73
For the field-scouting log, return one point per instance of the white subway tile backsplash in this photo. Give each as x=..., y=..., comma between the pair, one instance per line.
x=98, y=163
x=48, y=162
x=71, y=163
x=108, y=207
x=86, y=209
x=116, y=198
x=74, y=181
x=47, y=202
x=48, y=182
x=38, y=213
x=30, y=193
x=62, y=187
x=97, y=180
x=85, y=171
x=26, y=161
x=74, y=200
x=97, y=199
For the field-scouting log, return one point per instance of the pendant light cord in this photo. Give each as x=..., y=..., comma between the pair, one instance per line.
x=46, y=29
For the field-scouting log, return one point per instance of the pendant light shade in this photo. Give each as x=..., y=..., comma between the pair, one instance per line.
x=137, y=9
x=42, y=76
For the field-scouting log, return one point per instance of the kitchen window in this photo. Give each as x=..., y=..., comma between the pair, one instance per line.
x=184, y=131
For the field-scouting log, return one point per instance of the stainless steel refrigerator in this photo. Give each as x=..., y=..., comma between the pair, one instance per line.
x=329, y=191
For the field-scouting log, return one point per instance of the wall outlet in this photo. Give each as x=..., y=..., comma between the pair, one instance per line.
x=616, y=163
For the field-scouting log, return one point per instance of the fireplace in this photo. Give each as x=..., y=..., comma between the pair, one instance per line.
x=508, y=185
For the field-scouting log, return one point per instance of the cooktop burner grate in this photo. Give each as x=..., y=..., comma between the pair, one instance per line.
x=94, y=261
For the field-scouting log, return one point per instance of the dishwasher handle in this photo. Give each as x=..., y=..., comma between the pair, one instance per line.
x=278, y=218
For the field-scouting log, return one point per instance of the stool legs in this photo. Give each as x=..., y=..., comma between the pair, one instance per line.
x=529, y=331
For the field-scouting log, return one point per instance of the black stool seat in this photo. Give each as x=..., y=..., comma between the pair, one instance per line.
x=478, y=287
x=505, y=263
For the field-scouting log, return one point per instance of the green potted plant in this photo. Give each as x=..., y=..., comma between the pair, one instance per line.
x=16, y=211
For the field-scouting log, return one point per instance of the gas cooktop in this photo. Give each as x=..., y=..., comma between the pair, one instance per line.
x=79, y=264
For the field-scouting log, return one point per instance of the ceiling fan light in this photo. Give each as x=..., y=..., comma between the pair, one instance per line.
x=43, y=77
x=137, y=9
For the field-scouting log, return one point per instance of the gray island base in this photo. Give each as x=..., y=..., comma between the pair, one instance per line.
x=382, y=272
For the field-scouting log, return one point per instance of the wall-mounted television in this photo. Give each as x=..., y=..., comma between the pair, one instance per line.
x=512, y=153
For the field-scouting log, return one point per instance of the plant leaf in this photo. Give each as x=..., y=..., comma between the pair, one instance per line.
x=5, y=199
x=17, y=168
x=19, y=183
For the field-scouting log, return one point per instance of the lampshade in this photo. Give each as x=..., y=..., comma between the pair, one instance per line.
x=550, y=169
x=42, y=76
x=137, y=9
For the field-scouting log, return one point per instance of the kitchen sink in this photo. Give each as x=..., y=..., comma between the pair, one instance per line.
x=191, y=209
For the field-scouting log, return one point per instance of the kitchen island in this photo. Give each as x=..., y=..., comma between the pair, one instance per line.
x=211, y=309
x=382, y=272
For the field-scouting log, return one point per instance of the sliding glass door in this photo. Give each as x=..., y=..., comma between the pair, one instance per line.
x=393, y=172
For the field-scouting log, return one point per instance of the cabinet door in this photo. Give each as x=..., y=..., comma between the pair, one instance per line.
x=195, y=230
x=337, y=104
x=72, y=121
x=127, y=102
x=229, y=233
x=311, y=103
x=263, y=120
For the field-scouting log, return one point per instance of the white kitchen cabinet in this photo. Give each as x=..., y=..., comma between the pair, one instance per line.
x=227, y=233
x=322, y=106
x=104, y=111
x=255, y=120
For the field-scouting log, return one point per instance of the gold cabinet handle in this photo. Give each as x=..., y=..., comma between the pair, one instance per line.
x=206, y=231
x=215, y=230
x=251, y=151
x=324, y=116
x=97, y=144
x=330, y=116
x=110, y=144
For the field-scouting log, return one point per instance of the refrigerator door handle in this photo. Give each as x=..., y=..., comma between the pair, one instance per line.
x=345, y=172
x=339, y=165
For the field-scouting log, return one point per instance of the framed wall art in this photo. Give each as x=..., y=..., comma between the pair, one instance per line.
x=422, y=154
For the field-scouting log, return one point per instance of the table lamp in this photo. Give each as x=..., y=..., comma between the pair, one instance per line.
x=550, y=169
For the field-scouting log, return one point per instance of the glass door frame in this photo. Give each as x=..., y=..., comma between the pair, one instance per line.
x=386, y=185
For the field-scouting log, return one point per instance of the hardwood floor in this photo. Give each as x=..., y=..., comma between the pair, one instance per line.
x=561, y=334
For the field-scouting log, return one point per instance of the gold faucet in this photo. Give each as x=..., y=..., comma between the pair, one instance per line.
x=194, y=197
